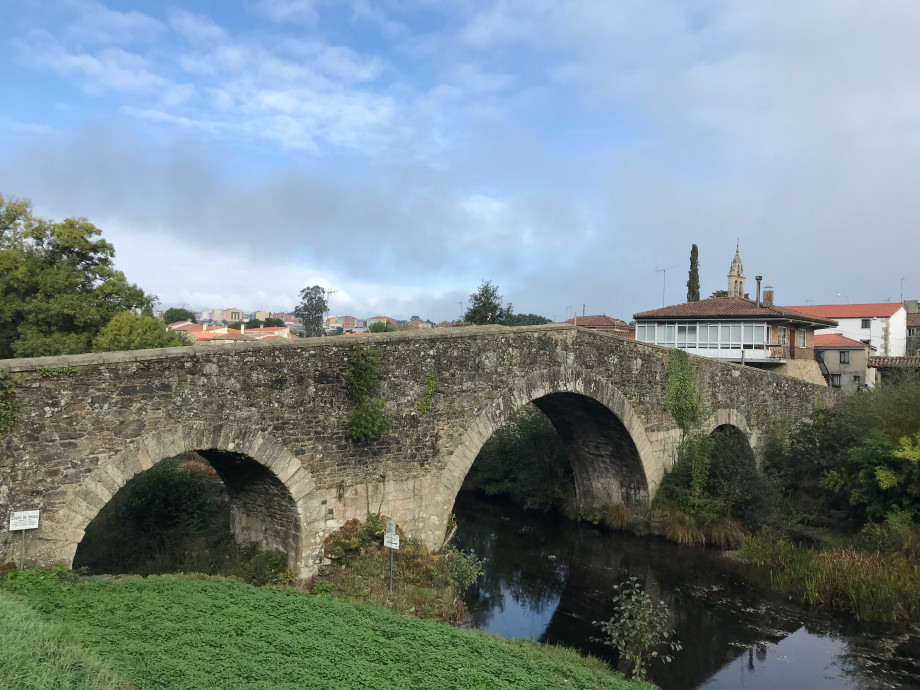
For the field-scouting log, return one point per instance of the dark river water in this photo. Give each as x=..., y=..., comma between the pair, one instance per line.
x=548, y=579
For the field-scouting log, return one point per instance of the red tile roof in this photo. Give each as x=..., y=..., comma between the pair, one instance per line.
x=913, y=319
x=231, y=335
x=850, y=311
x=600, y=321
x=732, y=308
x=835, y=341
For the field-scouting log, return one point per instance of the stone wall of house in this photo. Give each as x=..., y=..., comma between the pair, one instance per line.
x=805, y=369
x=80, y=436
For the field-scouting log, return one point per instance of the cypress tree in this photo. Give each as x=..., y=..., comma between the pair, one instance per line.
x=693, y=283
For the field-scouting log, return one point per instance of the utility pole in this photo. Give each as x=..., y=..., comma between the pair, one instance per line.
x=664, y=279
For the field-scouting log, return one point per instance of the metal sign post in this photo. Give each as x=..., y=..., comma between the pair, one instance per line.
x=23, y=520
x=391, y=541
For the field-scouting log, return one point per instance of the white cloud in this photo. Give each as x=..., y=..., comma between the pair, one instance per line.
x=96, y=23
x=287, y=10
x=196, y=27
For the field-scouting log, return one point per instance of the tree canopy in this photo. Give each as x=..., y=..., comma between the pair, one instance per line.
x=58, y=286
x=174, y=314
x=130, y=331
x=311, y=309
x=525, y=320
x=381, y=327
x=486, y=306
x=272, y=322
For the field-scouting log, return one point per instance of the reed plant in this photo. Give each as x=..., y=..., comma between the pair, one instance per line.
x=878, y=586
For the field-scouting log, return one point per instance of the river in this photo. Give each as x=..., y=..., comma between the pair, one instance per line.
x=548, y=579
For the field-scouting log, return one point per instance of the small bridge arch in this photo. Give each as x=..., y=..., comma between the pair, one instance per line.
x=273, y=498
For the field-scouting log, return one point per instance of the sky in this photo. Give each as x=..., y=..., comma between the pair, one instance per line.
x=400, y=152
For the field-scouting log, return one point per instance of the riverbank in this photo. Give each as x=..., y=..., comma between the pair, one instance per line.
x=181, y=632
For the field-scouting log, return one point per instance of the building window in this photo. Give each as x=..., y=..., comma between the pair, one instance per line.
x=801, y=337
x=835, y=380
x=865, y=323
x=844, y=356
x=856, y=380
x=781, y=338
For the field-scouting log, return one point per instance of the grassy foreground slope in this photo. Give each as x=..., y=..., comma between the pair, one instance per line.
x=173, y=632
x=33, y=655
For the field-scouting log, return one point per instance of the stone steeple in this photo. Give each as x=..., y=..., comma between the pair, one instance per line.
x=736, y=277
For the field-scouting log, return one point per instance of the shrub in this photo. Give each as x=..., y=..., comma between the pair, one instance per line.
x=367, y=419
x=464, y=568
x=639, y=628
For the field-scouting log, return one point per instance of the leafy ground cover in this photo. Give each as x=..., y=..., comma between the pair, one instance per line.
x=35, y=657
x=181, y=632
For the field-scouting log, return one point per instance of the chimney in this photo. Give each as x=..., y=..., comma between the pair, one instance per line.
x=768, y=295
x=758, y=278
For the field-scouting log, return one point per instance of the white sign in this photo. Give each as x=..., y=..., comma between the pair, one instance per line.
x=391, y=527
x=23, y=519
x=391, y=541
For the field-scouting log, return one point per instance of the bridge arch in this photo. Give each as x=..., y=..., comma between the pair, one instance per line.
x=575, y=401
x=291, y=518
x=729, y=417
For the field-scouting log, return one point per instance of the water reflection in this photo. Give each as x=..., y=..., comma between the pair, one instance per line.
x=549, y=580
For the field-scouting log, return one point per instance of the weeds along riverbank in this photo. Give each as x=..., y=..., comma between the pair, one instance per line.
x=190, y=632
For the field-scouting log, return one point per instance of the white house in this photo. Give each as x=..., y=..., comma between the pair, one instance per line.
x=883, y=327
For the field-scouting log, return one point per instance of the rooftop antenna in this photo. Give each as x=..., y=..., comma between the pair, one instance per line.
x=664, y=279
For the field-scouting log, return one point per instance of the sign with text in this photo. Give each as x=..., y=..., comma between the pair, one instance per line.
x=23, y=519
x=391, y=541
x=391, y=527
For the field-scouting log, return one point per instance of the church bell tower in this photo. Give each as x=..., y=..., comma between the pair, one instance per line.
x=736, y=277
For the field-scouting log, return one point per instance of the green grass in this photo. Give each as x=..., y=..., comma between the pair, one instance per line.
x=33, y=655
x=180, y=632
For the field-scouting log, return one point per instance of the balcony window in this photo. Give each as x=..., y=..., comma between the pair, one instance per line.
x=801, y=337
x=782, y=335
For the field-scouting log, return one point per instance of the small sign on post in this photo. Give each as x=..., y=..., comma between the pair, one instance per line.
x=391, y=541
x=22, y=520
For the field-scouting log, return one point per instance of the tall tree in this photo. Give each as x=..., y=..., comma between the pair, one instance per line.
x=486, y=306
x=311, y=309
x=693, y=282
x=174, y=314
x=58, y=286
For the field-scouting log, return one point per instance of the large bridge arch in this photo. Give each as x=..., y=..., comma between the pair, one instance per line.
x=591, y=403
x=276, y=504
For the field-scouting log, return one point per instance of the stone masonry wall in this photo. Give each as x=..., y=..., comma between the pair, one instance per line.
x=80, y=437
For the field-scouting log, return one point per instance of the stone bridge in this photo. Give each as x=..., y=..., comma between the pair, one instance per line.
x=89, y=423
